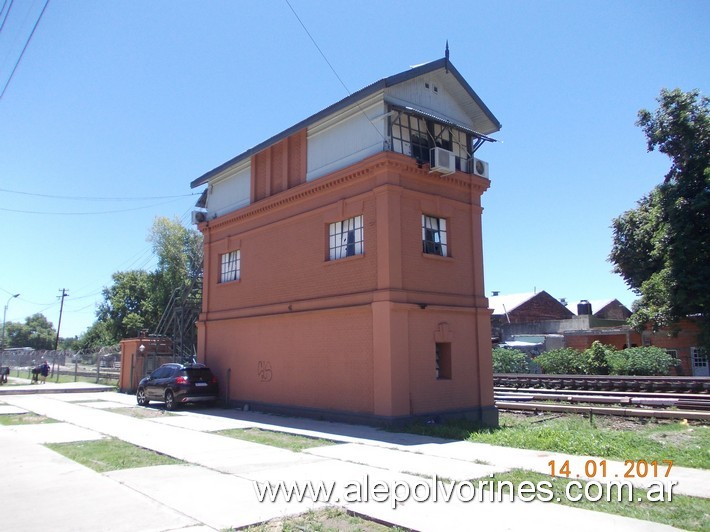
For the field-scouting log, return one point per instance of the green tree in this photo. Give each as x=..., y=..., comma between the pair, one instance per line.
x=126, y=307
x=96, y=336
x=179, y=252
x=37, y=332
x=662, y=248
x=70, y=344
x=136, y=299
x=509, y=361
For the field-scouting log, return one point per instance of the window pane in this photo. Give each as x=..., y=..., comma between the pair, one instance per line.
x=346, y=238
x=229, y=266
x=434, y=236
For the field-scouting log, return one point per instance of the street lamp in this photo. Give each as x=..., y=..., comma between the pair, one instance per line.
x=4, y=317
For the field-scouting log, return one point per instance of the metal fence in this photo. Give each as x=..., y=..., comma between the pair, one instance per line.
x=100, y=366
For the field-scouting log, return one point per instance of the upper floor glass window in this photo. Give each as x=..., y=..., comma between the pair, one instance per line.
x=230, y=264
x=434, y=239
x=415, y=136
x=345, y=238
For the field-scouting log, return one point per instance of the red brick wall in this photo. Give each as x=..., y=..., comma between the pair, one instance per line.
x=279, y=167
x=584, y=341
x=320, y=359
x=682, y=339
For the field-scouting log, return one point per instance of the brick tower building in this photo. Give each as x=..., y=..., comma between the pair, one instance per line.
x=343, y=272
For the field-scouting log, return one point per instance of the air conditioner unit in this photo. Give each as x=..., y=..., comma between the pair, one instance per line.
x=480, y=167
x=442, y=161
x=198, y=217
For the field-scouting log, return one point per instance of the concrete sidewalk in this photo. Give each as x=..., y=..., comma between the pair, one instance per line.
x=214, y=489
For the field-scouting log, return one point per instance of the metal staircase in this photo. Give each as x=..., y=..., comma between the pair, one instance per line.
x=178, y=320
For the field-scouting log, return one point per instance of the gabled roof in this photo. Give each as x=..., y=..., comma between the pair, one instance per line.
x=489, y=123
x=508, y=302
x=597, y=305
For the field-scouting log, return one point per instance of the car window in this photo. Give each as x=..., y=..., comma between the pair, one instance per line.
x=199, y=374
x=161, y=373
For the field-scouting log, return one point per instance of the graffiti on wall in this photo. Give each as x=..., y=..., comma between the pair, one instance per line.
x=263, y=370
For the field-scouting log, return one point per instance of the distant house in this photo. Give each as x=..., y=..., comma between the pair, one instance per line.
x=682, y=341
x=526, y=308
x=606, y=309
x=343, y=272
x=535, y=319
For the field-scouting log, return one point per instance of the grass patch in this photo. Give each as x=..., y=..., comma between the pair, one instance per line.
x=284, y=440
x=69, y=377
x=64, y=377
x=111, y=454
x=607, y=437
x=28, y=418
x=330, y=519
x=688, y=513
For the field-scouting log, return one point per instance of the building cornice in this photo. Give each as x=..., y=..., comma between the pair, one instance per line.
x=377, y=165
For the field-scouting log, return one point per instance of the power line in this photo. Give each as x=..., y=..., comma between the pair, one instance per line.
x=7, y=83
x=87, y=213
x=97, y=198
x=318, y=47
x=6, y=13
x=332, y=68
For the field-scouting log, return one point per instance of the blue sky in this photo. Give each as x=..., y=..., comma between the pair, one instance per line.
x=132, y=100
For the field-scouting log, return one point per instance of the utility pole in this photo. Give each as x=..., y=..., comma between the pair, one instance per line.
x=59, y=325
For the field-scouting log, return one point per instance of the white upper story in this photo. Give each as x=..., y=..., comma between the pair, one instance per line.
x=428, y=112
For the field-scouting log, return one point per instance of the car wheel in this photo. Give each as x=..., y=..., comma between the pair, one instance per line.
x=169, y=400
x=141, y=399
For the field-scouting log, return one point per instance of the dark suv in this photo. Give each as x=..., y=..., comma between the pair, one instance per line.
x=176, y=384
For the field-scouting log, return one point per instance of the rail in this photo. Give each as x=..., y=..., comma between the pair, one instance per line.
x=605, y=382
x=618, y=395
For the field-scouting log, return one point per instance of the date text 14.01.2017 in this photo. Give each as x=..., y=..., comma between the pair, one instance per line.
x=598, y=468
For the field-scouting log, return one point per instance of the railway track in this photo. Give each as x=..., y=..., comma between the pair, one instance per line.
x=659, y=397
x=605, y=383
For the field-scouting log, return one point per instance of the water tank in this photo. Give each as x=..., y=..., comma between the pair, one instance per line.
x=584, y=308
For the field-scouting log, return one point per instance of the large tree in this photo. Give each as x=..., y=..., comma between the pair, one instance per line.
x=127, y=308
x=37, y=332
x=179, y=252
x=136, y=299
x=662, y=248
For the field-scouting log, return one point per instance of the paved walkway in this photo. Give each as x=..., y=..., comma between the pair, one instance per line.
x=214, y=489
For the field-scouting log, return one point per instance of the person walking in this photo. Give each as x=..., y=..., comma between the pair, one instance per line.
x=44, y=370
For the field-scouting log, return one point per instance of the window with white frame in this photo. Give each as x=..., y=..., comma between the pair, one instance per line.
x=415, y=136
x=699, y=357
x=434, y=239
x=672, y=352
x=230, y=264
x=345, y=238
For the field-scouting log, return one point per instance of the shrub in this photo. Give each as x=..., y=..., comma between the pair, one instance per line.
x=595, y=359
x=562, y=361
x=640, y=361
x=509, y=361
